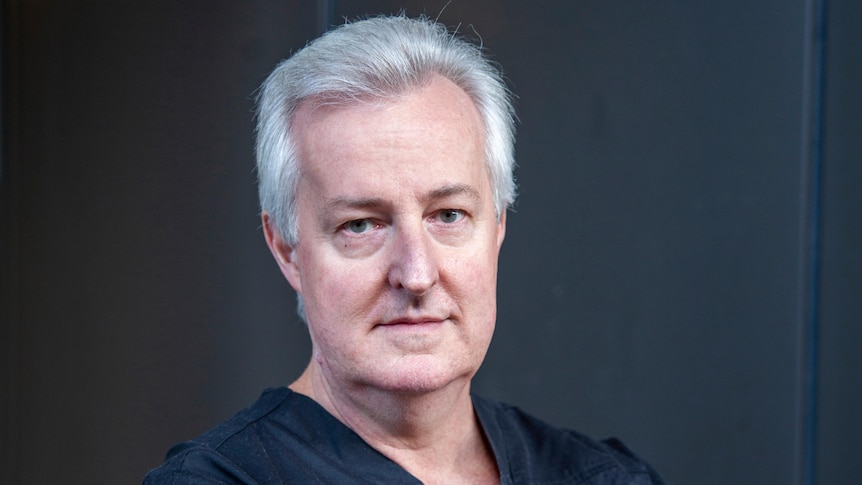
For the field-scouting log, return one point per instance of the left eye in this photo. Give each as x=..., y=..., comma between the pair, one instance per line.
x=449, y=216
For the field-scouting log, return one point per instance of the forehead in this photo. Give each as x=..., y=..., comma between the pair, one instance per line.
x=432, y=131
x=439, y=100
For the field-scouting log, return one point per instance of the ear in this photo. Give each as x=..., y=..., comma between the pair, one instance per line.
x=501, y=230
x=284, y=255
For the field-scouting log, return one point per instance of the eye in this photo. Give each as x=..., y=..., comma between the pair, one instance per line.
x=359, y=226
x=449, y=216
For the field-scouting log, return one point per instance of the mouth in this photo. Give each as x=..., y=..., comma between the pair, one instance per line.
x=414, y=323
x=413, y=336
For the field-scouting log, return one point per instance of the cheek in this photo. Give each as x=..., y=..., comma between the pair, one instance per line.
x=475, y=284
x=336, y=290
x=479, y=305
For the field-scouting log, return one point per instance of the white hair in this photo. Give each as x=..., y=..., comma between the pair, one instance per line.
x=375, y=58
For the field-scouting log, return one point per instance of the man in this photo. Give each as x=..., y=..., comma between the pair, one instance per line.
x=385, y=157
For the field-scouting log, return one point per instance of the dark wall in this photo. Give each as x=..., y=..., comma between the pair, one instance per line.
x=839, y=375
x=145, y=306
x=680, y=270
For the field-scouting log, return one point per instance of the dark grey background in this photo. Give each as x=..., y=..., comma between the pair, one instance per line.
x=682, y=268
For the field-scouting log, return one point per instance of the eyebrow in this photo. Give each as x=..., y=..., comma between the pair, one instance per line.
x=450, y=191
x=354, y=203
x=376, y=202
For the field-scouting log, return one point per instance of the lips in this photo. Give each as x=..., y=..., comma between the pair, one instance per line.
x=414, y=322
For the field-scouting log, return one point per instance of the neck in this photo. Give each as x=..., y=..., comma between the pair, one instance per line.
x=435, y=435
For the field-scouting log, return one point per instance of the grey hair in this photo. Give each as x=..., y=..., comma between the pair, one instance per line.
x=375, y=58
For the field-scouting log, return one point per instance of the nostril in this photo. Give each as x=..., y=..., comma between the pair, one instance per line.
x=413, y=268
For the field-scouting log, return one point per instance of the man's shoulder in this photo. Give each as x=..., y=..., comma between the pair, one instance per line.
x=221, y=447
x=268, y=402
x=538, y=452
x=285, y=437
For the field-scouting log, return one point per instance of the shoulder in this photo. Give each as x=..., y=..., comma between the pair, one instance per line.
x=219, y=455
x=284, y=437
x=269, y=402
x=533, y=451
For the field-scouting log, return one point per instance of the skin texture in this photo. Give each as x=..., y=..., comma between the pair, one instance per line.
x=397, y=266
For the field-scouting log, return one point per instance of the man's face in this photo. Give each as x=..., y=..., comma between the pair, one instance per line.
x=398, y=240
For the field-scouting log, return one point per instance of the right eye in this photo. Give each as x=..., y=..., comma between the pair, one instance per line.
x=359, y=226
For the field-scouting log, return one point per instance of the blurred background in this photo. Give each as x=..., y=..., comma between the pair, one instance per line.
x=682, y=269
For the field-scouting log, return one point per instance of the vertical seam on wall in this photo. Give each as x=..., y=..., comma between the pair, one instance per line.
x=812, y=169
x=11, y=285
x=325, y=14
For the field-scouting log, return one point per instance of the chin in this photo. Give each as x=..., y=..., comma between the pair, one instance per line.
x=422, y=378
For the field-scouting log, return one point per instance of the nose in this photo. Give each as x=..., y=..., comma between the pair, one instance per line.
x=413, y=266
